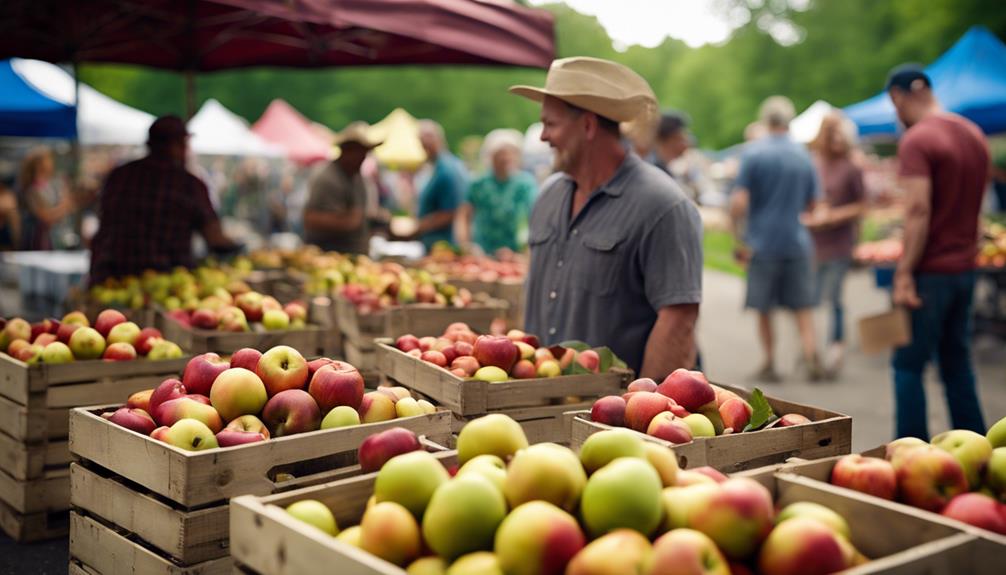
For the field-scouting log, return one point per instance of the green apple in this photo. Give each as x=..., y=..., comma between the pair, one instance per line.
x=493, y=434
x=125, y=332
x=408, y=407
x=491, y=373
x=164, y=350
x=275, y=320
x=700, y=425
x=995, y=473
x=462, y=516
x=971, y=449
x=547, y=472
x=191, y=435
x=351, y=536
x=427, y=565
x=478, y=563
x=57, y=352
x=314, y=513
x=87, y=343
x=605, y=446
x=997, y=433
x=410, y=480
x=488, y=466
x=624, y=493
x=341, y=416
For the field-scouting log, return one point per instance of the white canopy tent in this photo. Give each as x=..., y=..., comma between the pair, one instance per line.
x=100, y=119
x=216, y=131
x=804, y=127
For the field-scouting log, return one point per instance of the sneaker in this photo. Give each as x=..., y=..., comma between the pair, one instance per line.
x=833, y=360
x=767, y=374
x=813, y=369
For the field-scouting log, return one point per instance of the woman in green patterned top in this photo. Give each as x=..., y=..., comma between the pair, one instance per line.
x=498, y=206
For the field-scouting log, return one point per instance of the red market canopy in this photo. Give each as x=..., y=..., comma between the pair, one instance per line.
x=284, y=126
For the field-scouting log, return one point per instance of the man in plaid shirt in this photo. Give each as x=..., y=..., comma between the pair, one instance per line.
x=150, y=208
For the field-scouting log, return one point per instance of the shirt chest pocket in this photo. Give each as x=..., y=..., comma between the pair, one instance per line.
x=599, y=261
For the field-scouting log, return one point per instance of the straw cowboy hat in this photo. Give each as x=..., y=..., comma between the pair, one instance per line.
x=359, y=132
x=600, y=86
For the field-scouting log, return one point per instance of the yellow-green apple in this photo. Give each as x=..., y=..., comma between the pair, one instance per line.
x=709, y=472
x=316, y=514
x=201, y=371
x=688, y=477
x=737, y=516
x=477, y=563
x=205, y=318
x=395, y=393
x=662, y=459
x=251, y=304
x=643, y=384
x=407, y=342
x=547, y=472
x=426, y=406
x=997, y=433
x=825, y=515
x=462, y=516
x=87, y=343
x=791, y=419
x=108, y=319
x=236, y=392
x=244, y=429
x=378, y=448
x=803, y=546
x=77, y=318
x=491, y=374
x=689, y=389
x=132, y=418
x=609, y=410
x=995, y=473
x=493, y=350
x=341, y=416
x=376, y=407
x=410, y=479
x=523, y=369
x=537, y=538
x=589, y=360
x=549, y=368
x=605, y=446
x=466, y=363
x=188, y=407
x=337, y=383
x=145, y=339
x=426, y=566
x=66, y=330
x=493, y=434
x=57, y=352
x=296, y=311
x=17, y=345
x=979, y=510
x=488, y=466
x=526, y=351
x=426, y=343
x=972, y=450
x=899, y=447
x=125, y=332
x=711, y=413
x=621, y=552
x=699, y=425
x=435, y=357
x=17, y=328
x=247, y=358
x=642, y=407
x=515, y=335
x=45, y=339
x=735, y=413
x=119, y=351
x=686, y=552
x=275, y=320
x=291, y=411
x=269, y=302
x=408, y=407
x=870, y=475
x=677, y=502
x=140, y=400
x=162, y=349
x=232, y=319
x=282, y=368
x=929, y=478
x=624, y=493
x=390, y=532
x=190, y=434
x=669, y=428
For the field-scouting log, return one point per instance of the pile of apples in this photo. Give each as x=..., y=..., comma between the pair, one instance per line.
x=113, y=338
x=223, y=312
x=992, y=248
x=496, y=358
x=477, y=268
x=960, y=474
x=179, y=289
x=254, y=396
x=682, y=407
x=879, y=252
x=619, y=506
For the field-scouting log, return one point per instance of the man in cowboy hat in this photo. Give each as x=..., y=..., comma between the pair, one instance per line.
x=334, y=216
x=616, y=247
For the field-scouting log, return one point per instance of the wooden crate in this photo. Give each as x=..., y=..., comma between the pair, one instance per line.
x=360, y=358
x=310, y=340
x=268, y=541
x=829, y=434
x=509, y=291
x=175, y=501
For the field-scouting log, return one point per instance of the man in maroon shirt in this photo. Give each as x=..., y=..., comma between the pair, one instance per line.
x=150, y=208
x=944, y=169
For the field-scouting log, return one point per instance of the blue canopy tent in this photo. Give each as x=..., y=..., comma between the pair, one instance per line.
x=969, y=79
x=26, y=112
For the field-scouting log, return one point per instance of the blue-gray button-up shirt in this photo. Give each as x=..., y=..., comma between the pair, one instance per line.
x=600, y=277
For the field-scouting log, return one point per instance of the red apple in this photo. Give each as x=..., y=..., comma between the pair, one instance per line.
x=434, y=357
x=710, y=472
x=642, y=407
x=689, y=389
x=282, y=368
x=338, y=383
x=463, y=348
x=609, y=410
x=66, y=330
x=17, y=345
x=523, y=369
x=468, y=364
x=232, y=437
x=532, y=340
x=168, y=389
x=643, y=384
x=161, y=433
x=249, y=423
x=407, y=342
x=108, y=319
x=457, y=371
x=567, y=358
x=589, y=360
x=979, y=510
x=45, y=339
x=669, y=428
x=291, y=411
x=132, y=418
x=189, y=407
x=251, y=304
x=120, y=351
x=295, y=310
x=380, y=447
x=205, y=319
x=145, y=339
x=415, y=353
x=791, y=419
x=202, y=371
x=246, y=357
x=498, y=351
x=866, y=474
x=929, y=478
x=427, y=343
x=735, y=413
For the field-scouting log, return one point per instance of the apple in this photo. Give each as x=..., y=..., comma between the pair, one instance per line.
x=145, y=339
x=316, y=514
x=687, y=552
x=677, y=502
x=643, y=384
x=126, y=332
x=376, y=407
x=523, y=369
x=802, y=546
x=66, y=330
x=689, y=389
x=248, y=423
x=378, y=448
x=45, y=339
x=161, y=433
x=995, y=473
x=466, y=363
x=547, y=472
x=162, y=349
x=549, y=368
x=140, y=400
x=189, y=407
x=567, y=358
x=498, y=351
x=663, y=460
x=275, y=320
x=232, y=437
x=190, y=434
x=391, y=533
x=538, y=537
x=291, y=411
x=978, y=510
x=341, y=416
x=232, y=319
x=737, y=516
x=623, y=494
x=426, y=406
x=282, y=368
x=609, y=410
x=410, y=479
x=435, y=357
x=603, y=447
x=710, y=472
x=642, y=407
x=251, y=305
x=17, y=328
x=688, y=477
x=997, y=434
x=313, y=366
x=108, y=319
x=825, y=515
x=526, y=351
x=722, y=395
x=335, y=384
x=408, y=407
x=791, y=419
x=899, y=447
x=87, y=343
x=463, y=348
x=17, y=345
x=870, y=475
x=201, y=371
x=972, y=451
x=407, y=342
x=236, y=392
x=427, y=343
x=589, y=360
x=119, y=351
x=77, y=318
x=32, y=355
x=296, y=311
x=735, y=413
x=57, y=352
x=491, y=374
x=167, y=390
x=542, y=354
x=669, y=428
x=462, y=516
x=494, y=434
x=131, y=418
x=929, y=478
x=204, y=318
x=489, y=467
x=621, y=551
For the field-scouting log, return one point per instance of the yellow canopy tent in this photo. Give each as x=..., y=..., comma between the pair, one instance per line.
x=401, y=148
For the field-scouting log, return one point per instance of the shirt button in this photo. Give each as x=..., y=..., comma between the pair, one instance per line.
x=552, y=295
x=551, y=331
x=575, y=231
x=560, y=263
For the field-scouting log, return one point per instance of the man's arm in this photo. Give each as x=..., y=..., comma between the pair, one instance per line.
x=216, y=239
x=738, y=208
x=435, y=221
x=463, y=224
x=918, y=204
x=672, y=341
x=346, y=221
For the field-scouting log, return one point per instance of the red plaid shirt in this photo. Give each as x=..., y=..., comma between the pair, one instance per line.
x=149, y=210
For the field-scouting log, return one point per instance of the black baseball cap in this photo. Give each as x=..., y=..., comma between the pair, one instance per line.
x=671, y=123
x=905, y=75
x=167, y=129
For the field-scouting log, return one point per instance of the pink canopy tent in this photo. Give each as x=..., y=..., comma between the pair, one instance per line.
x=284, y=126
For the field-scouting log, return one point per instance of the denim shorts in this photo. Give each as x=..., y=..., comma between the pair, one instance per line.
x=788, y=283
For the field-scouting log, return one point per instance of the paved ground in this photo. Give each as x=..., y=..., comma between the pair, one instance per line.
x=731, y=354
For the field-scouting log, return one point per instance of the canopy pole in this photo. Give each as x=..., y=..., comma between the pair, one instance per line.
x=190, y=94
x=75, y=153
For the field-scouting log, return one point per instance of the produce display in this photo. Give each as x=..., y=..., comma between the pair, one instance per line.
x=960, y=474
x=495, y=358
x=685, y=406
x=112, y=338
x=992, y=248
x=880, y=252
x=243, y=312
x=476, y=268
x=619, y=506
x=179, y=289
x=373, y=287
x=253, y=396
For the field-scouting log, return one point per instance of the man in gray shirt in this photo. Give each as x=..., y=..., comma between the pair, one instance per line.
x=616, y=248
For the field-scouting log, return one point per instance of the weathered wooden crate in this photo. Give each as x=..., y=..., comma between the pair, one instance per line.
x=267, y=541
x=34, y=423
x=509, y=290
x=282, y=284
x=829, y=434
x=173, y=502
x=310, y=340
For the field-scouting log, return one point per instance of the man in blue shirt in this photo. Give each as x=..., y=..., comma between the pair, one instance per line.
x=777, y=183
x=440, y=198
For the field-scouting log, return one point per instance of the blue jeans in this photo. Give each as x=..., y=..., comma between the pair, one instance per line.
x=941, y=330
x=830, y=278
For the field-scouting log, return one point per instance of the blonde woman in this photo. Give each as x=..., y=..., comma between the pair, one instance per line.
x=45, y=203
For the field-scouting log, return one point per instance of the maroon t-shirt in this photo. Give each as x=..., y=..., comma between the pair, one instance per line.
x=953, y=154
x=842, y=182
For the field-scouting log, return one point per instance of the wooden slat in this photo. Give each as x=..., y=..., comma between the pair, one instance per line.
x=363, y=360
x=50, y=492
x=18, y=380
x=33, y=527
x=102, y=391
x=310, y=340
x=26, y=461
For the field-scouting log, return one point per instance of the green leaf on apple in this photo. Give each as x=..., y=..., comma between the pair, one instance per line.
x=575, y=344
x=574, y=368
x=761, y=411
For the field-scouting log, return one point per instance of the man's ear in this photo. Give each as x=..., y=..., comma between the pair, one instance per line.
x=591, y=126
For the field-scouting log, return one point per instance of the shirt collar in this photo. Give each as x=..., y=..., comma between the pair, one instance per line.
x=615, y=186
